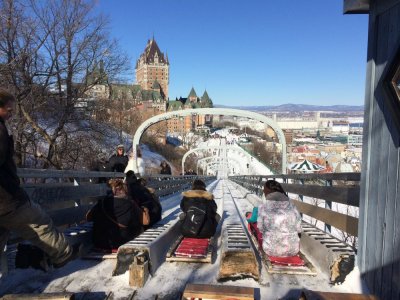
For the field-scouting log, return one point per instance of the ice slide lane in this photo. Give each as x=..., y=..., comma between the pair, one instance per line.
x=93, y=280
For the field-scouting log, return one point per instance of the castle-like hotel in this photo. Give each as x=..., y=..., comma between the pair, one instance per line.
x=150, y=93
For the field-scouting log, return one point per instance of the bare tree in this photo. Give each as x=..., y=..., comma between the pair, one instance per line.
x=48, y=50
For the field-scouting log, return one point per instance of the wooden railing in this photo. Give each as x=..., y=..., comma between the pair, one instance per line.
x=332, y=187
x=67, y=195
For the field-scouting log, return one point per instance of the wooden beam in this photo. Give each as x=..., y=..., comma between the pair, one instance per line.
x=139, y=271
x=342, y=222
x=356, y=6
x=206, y=291
x=43, y=296
x=351, y=176
x=315, y=295
x=45, y=173
x=48, y=196
x=349, y=195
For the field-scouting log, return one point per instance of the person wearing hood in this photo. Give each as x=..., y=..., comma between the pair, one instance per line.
x=199, y=218
x=118, y=161
x=279, y=222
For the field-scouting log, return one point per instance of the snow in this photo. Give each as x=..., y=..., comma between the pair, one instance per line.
x=92, y=279
x=238, y=160
x=153, y=160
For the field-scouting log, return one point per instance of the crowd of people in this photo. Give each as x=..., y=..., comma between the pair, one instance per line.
x=120, y=162
x=118, y=217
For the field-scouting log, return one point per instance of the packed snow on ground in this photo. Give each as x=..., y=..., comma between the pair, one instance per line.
x=93, y=280
x=240, y=163
x=152, y=161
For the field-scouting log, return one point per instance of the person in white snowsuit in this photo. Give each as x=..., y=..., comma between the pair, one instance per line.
x=279, y=222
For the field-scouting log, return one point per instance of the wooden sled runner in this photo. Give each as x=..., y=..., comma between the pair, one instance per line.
x=295, y=265
x=190, y=250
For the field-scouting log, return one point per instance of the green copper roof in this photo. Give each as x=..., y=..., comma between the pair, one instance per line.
x=174, y=105
x=192, y=93
x=205, y=96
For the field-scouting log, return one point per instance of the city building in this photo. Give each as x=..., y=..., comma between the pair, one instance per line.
x=189, y=123
x=153, y=66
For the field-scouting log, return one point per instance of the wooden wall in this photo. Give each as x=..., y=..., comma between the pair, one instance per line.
x=379, y=222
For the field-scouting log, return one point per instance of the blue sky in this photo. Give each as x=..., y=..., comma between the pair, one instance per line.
x=259, y=52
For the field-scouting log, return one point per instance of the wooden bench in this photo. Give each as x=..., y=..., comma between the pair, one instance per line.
x=42, y=296
x=315, y=295
x=207, y=291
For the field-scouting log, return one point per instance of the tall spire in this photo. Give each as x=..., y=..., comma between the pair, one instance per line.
x=192, y=93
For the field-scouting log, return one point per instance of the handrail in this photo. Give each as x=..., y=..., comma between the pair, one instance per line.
x=341, y=188
x=67, y=201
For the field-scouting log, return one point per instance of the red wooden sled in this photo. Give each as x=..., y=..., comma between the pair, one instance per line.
x=190, y=250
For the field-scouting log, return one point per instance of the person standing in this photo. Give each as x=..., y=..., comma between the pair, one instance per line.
x=140, y=163
x=279, y=222
x=118, y=161
x=17, y=212
x=165, y=168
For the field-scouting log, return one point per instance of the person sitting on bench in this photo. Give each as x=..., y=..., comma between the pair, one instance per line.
x=199, y=218
x=279, y=222
x=116, y=219
x=144, y=197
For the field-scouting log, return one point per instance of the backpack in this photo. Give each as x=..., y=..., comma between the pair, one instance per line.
x=194, y=221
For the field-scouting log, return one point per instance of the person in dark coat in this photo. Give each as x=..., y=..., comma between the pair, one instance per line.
x=199, y=218
x=152, y=203
x=144, y=197
x=116, y=219
x=118, y=161
x=165, y=168
x=17, y=212
x=99, y=165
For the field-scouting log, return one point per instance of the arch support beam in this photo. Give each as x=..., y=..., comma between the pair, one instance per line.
x=208, y=148
x=211, y=111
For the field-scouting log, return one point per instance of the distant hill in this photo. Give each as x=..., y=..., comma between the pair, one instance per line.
x=297, y=107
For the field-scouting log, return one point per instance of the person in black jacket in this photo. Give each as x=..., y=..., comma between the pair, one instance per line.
x=165, y=168
x=144, y=197
x=118, y=161
x=17, y=212
x=152, y=203
x=199, y=218
x=99, y=165
x=116, y=219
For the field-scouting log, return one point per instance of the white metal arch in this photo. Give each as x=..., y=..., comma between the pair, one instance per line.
x=206, y=148
x=210, y=111
x=200, y=161
x=214, y=164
